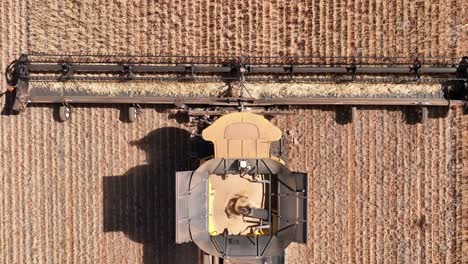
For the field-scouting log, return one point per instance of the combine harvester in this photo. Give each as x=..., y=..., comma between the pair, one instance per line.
x=74, y=73
x=242, y=204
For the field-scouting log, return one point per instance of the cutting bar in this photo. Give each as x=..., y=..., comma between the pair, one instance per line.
x=239, y=69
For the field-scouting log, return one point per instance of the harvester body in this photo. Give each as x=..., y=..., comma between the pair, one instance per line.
x=244, y=204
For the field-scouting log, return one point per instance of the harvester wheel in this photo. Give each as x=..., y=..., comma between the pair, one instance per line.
x=423, y=115
x=64, y=113
x=132, y=114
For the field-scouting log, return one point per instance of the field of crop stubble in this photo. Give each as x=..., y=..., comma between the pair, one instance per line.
x=381, y=190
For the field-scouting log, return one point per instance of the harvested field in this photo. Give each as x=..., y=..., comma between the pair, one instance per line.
x=257, y=28
x=381, y=190
x=465, y=189
x=235, y=27
x=66, y=198
x=90, y=191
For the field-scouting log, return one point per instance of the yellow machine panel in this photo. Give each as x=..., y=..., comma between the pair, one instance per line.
x=243, y=135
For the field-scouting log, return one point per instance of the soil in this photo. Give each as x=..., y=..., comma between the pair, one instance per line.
x=233, y=28
x=99, y=190
x=66, y=198
x=257, y=28
x=381, y=190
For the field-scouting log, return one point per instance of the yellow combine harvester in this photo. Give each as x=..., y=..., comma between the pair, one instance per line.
x=244, y=204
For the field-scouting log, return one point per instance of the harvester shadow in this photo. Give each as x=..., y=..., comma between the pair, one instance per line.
x=141, y=203
x=409, y=113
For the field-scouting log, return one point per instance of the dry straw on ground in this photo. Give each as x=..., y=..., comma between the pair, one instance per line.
x=256, y=90
x=136, y=88
x=264, y=90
